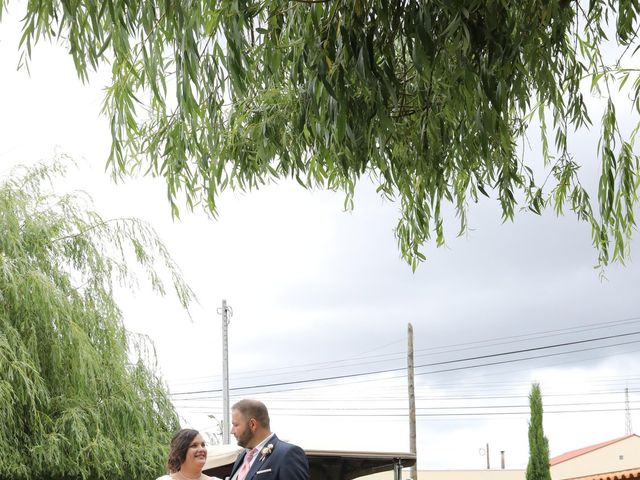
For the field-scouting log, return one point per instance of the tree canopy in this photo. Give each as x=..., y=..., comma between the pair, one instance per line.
x=80, y=398
x=431, y=99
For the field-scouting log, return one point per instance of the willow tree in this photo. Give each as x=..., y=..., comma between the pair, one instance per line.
x=428, y=98
x=77, y=399
x=538, y=466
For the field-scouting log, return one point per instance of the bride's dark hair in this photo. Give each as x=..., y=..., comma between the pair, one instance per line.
x=178, y=448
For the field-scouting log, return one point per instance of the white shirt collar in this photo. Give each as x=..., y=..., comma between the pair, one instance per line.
x=262, y=444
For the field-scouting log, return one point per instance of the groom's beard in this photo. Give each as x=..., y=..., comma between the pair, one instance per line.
x=244, y=439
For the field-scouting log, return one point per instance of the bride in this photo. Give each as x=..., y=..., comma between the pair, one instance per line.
x=187, y=456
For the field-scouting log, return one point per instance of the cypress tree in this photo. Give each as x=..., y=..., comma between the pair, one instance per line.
x=538, y=466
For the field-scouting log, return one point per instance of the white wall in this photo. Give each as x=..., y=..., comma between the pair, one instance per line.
x=455, y=475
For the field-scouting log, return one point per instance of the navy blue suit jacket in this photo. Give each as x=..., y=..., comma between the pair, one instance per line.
x=285, y=462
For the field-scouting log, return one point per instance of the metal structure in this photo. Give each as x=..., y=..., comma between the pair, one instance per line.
x=226, y=313
x=323, y=464
x=412, y=400
x=627, y=410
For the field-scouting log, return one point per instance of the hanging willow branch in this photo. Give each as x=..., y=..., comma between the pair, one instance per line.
x=427, y=98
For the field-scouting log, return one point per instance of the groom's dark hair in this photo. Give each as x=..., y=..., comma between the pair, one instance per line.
x=253, y=409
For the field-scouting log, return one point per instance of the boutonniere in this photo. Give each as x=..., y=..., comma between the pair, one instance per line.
x=266, y=451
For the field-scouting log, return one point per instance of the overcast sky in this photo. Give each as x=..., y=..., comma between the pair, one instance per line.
x=319, y=293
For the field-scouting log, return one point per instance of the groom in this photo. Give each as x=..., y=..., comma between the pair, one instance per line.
x=265, y=457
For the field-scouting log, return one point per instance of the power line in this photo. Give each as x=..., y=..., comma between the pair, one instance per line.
x=400, y=355
x=536, y=335
x=363, y=410
x=529, y=358
x=454, y=414
x=446, y=362
x=308, y=388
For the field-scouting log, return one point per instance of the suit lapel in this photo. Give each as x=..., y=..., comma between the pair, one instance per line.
x=263, y=464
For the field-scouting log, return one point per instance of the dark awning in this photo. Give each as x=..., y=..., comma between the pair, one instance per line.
x=324, y=464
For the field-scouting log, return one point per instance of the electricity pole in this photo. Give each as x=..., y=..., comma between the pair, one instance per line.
x=488, y=463
x=627, y=411
x=226, y=313
x=413, y=471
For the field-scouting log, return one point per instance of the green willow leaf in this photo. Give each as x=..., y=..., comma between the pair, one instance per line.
x=439, y=89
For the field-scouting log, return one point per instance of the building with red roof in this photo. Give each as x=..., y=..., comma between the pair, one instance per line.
x=617, y=459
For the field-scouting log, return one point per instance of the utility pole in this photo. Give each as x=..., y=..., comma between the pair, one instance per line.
x=488, y=463
x=226, y=313
x=413, y=471
x=627, y=412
